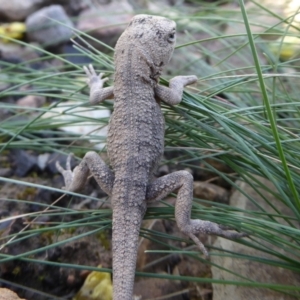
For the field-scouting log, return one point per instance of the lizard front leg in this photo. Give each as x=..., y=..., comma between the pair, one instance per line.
x=173, y=94
x=183, y=182
x=95, y=82
x=91, y=162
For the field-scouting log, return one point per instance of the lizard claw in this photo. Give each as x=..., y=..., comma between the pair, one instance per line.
x=199, y=244
x=207, y=227
x=103, y=79
x=93, y=77
x=190, y=79
x=90, y=71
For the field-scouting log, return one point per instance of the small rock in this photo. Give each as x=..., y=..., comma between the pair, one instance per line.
x=74, y=56
x=54, y=157
x=24, y=162
x=84, y=128
x=6, y=294
x=5, y=172
x=101, y=23
x=42, y=161
x=16, y=54
x=31, y=101
x=254, y=271
x=16, y=10
x=46, y=26
x=73, y=7
x=209, y=191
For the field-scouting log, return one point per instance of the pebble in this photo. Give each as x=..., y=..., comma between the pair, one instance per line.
x=42, y=161
x=24, y=162
x=106, y=23
x=49, y=26
x=31, y=101
x=16, y=10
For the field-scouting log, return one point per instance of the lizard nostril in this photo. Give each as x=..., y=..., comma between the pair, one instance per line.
x=161, y=64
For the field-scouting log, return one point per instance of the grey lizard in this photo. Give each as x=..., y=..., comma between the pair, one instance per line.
x=135, y=144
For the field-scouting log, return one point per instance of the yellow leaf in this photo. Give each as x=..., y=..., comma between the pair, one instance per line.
x=97, y=286
x=13, y=30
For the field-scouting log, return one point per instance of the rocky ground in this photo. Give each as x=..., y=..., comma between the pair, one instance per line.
x=36, y=280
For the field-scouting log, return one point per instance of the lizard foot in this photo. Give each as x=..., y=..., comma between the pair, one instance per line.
x=94, y=79
x=187, y=80
x=207, y=227
x=74, y=180
x=90, y=164
x=67, y=173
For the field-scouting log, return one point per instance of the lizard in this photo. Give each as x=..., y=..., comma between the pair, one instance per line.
x=135, y=145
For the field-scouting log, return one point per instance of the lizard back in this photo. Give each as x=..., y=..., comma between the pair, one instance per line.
x=137, y=124
x=136, y=136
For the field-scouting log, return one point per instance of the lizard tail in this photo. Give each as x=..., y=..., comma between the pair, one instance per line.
x=126, y=226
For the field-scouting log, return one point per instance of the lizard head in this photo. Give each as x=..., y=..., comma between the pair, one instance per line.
x=153, y=36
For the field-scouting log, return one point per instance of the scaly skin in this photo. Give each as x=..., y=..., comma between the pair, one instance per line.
x=135, y=144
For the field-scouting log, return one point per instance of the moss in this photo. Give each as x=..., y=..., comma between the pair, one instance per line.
x=27, y=194
x=16, y=271
x=103, y=237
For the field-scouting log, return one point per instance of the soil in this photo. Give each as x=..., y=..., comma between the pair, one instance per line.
x=42, y=275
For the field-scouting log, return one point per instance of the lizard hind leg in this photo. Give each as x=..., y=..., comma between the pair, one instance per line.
x=183, y=182
x=91, y=163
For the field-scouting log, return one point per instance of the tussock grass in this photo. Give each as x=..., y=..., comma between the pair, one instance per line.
x=245, y=115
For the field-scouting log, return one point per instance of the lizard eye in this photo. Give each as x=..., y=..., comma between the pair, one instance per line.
x=171, y=37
